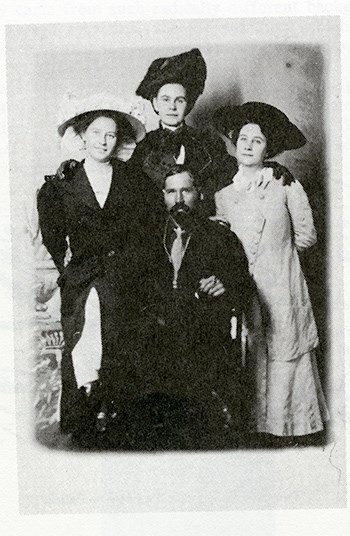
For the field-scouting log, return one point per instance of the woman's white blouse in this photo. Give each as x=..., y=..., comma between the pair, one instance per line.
x=100, y=179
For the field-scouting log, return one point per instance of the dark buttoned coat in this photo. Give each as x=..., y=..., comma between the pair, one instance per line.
x=98, y=239
x=186, y=345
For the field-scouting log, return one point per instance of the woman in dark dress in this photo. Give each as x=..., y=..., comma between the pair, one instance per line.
x=172, y=85
x=91, y=213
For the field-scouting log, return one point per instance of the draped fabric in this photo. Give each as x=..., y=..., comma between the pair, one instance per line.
x=161, y=149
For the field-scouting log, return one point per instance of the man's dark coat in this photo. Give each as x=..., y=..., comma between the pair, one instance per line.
x=184, y=341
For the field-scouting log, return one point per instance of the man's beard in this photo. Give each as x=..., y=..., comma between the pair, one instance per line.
x=182, y=215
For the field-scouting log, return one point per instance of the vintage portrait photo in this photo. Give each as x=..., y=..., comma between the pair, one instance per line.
x=176, y=227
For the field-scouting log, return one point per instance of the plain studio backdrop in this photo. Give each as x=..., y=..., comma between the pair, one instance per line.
x=292, y=63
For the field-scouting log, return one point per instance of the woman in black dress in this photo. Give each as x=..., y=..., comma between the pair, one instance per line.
x=92, y=214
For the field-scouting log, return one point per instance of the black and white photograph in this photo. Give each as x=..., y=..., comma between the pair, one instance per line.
x=176, y=231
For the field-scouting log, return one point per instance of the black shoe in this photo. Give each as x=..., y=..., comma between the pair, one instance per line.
x=223, y=411
x=112, y=411
x=101, y=421
x=107, y=415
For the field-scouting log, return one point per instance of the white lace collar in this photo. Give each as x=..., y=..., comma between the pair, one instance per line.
x=259, y=180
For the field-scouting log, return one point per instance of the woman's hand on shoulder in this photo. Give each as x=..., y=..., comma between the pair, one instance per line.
x=280, y=172
x=220, y=220
x=67, y=169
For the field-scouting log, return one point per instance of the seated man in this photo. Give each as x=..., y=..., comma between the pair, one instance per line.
x=193, y=278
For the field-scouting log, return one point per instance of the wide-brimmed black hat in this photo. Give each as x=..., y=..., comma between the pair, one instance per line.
x=281, y=134
x=188, y=69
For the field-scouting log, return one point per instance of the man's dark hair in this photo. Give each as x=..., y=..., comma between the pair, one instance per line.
x=180, y=168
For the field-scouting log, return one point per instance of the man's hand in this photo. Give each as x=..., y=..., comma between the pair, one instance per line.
x=210, y=286
x=67, y=169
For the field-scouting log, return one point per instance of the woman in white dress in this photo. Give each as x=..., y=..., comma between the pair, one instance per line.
x=273, y=220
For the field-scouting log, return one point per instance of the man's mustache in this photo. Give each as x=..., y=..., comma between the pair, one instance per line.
x=179, y=207
x=182, y=215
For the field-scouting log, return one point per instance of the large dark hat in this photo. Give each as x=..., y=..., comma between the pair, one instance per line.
x=281, y=134
x=188, y=69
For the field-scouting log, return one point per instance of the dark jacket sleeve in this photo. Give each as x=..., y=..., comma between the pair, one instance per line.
x=52, y=221
x=232, y=269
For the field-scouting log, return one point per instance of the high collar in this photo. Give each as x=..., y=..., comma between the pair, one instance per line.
x=260, y=179
x=180, y=129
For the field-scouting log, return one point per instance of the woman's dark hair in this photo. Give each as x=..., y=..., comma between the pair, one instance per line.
x=125, y=132
x=274, y=138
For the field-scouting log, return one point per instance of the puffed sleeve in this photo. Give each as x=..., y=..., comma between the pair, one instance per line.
x=52, y=222
x=301, y=216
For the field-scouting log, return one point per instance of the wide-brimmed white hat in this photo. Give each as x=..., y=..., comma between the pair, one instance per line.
x=75, y=110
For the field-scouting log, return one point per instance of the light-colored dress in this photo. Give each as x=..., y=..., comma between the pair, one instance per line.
x=274, y=222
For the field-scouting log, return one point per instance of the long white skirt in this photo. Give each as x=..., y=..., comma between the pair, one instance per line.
x=289, y=397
